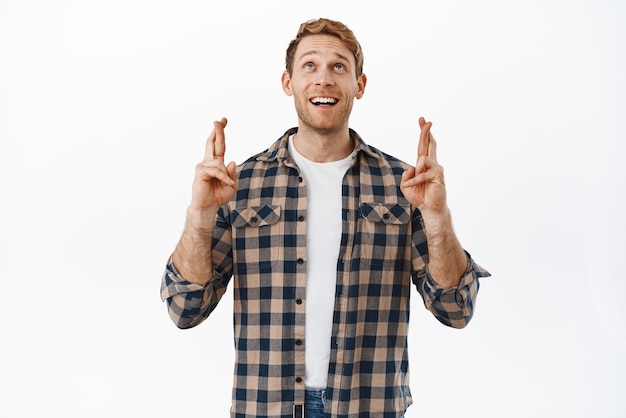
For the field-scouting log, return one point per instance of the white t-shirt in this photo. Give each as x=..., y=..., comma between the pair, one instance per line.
x=323, y=184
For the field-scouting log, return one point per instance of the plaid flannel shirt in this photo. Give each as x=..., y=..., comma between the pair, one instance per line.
x=260, y=239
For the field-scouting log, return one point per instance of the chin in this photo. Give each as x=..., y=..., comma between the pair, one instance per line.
x=324, y=125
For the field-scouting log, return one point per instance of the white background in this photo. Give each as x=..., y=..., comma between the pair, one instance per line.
x=104, y=110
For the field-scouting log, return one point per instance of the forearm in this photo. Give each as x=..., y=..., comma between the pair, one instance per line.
x=447, y=262
x=445, y=275
x=192, y=256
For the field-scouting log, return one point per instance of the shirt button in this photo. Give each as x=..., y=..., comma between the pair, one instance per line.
x=298, y=342
x=300, y=261
x=300, y=179
x=298, y=301
x=386, y=216
x=253, y=219
x=298, y=379
x=301, y=218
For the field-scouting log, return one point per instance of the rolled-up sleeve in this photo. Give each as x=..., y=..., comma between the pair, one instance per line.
x=189, y=304
x=453, y=306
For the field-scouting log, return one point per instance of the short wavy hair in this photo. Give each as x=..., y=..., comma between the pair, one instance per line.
x=327, y=27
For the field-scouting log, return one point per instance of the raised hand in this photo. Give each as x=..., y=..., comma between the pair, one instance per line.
x=214, y=183
x=424, y=185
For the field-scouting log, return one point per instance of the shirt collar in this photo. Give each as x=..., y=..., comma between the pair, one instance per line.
x=278, y=150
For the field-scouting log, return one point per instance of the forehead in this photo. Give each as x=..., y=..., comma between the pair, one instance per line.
x=325, y=45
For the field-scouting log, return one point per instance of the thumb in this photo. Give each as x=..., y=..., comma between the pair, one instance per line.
x=231, y=169
x=408, y=173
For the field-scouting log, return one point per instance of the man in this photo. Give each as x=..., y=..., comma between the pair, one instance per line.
x=322, y=236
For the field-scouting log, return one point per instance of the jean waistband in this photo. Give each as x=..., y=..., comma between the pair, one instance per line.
x=315, y=394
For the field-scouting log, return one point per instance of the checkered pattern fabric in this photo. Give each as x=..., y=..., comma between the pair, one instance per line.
x=259, y=242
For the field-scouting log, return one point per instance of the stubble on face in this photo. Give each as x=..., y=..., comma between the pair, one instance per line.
x=324, y=85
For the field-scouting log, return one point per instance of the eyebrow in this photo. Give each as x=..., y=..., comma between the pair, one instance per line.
x=315, y=52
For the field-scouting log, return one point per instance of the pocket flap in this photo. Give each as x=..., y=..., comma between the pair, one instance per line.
x=255, y=216
x=388, y=213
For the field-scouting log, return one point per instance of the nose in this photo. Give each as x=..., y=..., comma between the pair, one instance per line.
x=325, y=77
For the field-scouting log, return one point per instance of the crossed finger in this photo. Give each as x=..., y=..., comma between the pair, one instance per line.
x=427, y=147
x=216, y=142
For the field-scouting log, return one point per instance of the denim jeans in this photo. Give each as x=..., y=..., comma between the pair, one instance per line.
x=314, y=403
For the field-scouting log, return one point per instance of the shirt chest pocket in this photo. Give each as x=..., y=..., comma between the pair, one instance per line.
x=256, y=237
x=384, y=237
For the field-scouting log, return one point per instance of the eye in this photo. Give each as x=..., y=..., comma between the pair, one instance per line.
x=309, y=66
x=339, y=67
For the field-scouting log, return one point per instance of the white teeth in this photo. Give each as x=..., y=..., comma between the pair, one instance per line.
x=323, y=100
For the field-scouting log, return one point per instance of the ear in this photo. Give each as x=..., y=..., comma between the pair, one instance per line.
x=361, y=81
x=286, y=82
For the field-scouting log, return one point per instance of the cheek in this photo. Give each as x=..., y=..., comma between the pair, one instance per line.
x=297, y=88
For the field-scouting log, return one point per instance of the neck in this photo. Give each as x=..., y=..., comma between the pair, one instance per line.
x=323, y=147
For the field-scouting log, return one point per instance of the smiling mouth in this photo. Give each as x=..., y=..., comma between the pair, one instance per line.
x=323, y=101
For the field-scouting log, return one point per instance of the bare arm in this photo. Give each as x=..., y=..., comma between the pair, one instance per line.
x=214, y=184
x=424, y=186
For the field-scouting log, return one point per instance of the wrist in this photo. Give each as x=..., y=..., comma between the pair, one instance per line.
x=437, y=224
x=201, y=218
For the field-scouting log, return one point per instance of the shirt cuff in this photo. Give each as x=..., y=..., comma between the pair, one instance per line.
x=174, y=284
x=467, y=288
